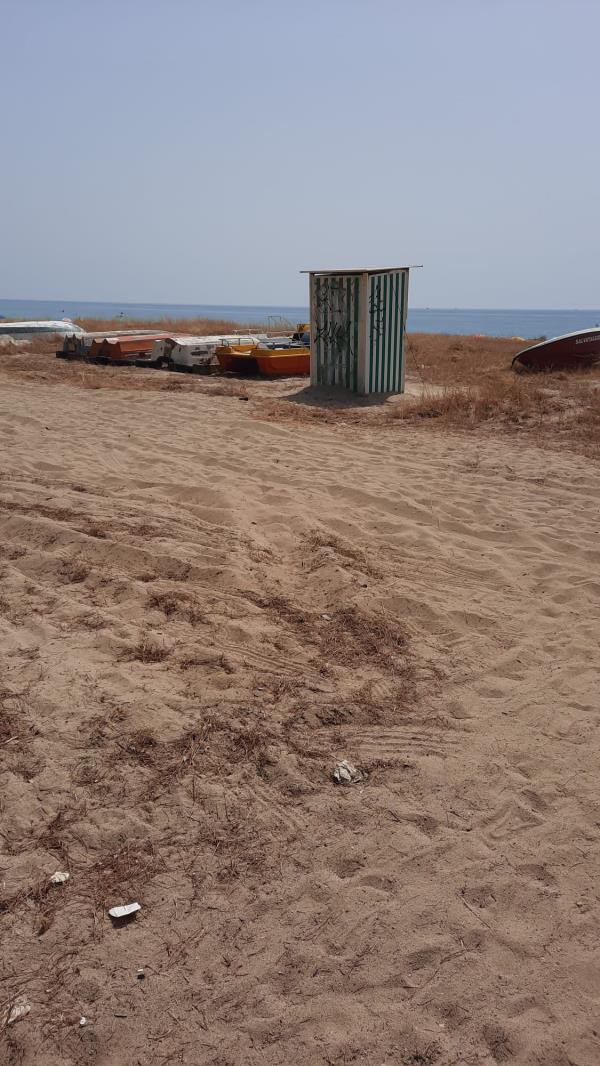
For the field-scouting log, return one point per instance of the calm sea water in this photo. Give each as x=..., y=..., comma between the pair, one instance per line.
x=504, y=323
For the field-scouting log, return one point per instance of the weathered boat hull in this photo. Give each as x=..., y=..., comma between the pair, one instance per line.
x=237, y=359
x=196, y=354
x=269, y=362
x=571, y=351
x=123, y=350
x=281, y=364
x=78, y=346
x=39, y=330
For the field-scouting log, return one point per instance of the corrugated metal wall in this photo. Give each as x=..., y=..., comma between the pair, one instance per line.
x=385, y=356
x=335, y=318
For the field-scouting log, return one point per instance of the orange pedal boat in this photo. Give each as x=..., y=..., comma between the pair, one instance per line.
x=269, y=362
x=237, y=358
x=283, y=362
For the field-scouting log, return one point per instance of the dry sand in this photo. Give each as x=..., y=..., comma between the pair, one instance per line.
x=201, y=612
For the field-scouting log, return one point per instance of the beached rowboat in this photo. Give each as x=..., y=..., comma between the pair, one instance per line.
x=78, y=345
x=572, y=350
x=124, y=349
x=27, y=331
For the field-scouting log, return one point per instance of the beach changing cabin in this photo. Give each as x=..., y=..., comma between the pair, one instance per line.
x=358, y=320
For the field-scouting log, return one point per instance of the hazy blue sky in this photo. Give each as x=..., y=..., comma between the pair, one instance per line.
x=206, y=152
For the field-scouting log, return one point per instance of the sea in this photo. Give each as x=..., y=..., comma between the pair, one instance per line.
x=486, y=321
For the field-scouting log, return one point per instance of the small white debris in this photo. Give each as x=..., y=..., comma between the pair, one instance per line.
x=59, y=877
x=19, y=1009
x=125, y=910
x=141, y=973
x=327, y=617
x=82, y=1021
x=346, y=774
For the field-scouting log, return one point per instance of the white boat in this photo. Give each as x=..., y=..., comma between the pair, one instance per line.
x=162, y=349
x=196, y=353
x=26, y=331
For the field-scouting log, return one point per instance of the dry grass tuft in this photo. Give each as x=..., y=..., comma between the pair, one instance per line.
x=354, y=635
x=215, y=744
x=16, y=728
x=146, y=650
x=319, y=539
x=13, y=551
x=120, y=876
x=347, y=635
x=438, y=359
x=195, y=614
x=74, y=571
x=228, y=388
x=38, y=367
x=192, y=659
x=250, y=745
x=421, y=1054
x=97, y=531
x=180, y=604
x=283, y=411
x=54, y=836
x=12, y=728
x=499, y=1042
x=165, y=602
x=496, y=400
x=588, y=417
x=42, y=897
x=468, y=383
x=141, y=747
x=101, y=726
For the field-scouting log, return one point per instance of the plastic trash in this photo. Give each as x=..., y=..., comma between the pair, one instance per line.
x=19, y=1009
x=125, y=910
x=59, y=877
x=346, y=774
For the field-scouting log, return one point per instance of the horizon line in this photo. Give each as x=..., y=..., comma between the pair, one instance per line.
x=151, y=304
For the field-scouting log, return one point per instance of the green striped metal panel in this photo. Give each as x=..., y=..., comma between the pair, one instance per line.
x=386, y=325
x=335, y=329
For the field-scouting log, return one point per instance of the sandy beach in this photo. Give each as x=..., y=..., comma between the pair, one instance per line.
x=204, y=607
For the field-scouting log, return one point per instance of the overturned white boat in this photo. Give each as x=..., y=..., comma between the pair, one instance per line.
x=27, y=331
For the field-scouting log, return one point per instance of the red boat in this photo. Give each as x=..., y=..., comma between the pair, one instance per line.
x=123, y=349
x=570, y=351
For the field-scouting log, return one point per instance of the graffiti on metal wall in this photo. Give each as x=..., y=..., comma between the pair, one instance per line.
x=333, y=319
x=378, y=306
x=335, y=335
